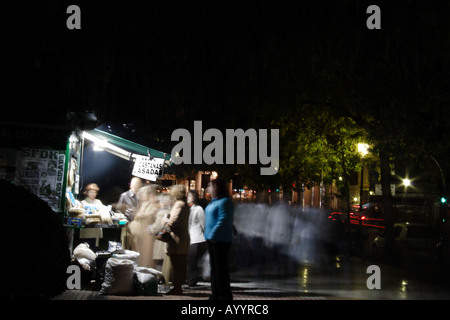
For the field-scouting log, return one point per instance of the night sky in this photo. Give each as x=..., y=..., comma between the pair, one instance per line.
x=160, y=65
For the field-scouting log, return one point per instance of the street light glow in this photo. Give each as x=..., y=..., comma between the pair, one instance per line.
x=363, y=148
x=406, y=182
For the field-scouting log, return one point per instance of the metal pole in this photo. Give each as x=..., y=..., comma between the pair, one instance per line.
x=361, y=194
x=406, y=203
x=442, y=174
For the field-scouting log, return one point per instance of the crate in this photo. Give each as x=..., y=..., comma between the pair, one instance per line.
x=76, y=222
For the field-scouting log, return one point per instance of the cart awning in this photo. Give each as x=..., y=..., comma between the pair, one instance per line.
x=123, y=148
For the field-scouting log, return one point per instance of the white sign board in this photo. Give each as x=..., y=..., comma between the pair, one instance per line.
x=148, y=169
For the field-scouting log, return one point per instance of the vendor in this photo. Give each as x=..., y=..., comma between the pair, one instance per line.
x=91, y=192
x=92, y=234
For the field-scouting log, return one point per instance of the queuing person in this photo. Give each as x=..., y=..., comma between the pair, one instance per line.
x=128, y=200
x=159, y=249
x=92, y=235
x=219, y=237
x=140, y=240
x=127, y=204
x=178, y=246
x=196, y=232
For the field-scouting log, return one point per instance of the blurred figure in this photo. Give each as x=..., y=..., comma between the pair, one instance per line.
x=250, y=221
x=159, y=249
x=178, y=247
x=219, y=236
x=140, y=240
x=128, y=200
x=197, y=247
x=278, y=234
x=127, y=204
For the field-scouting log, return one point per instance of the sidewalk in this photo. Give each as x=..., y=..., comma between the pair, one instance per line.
x=338, y=280
x=204, y=292
x=245, y=285
x=260, y=290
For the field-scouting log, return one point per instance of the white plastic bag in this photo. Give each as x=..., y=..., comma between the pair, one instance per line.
x=83, y=251
x=118, y=279
x=85, y=263
x=113, y=246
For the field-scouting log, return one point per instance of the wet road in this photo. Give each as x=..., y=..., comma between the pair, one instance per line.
x=344, y=280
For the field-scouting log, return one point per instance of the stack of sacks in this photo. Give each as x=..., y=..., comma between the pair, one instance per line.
x=122, y=269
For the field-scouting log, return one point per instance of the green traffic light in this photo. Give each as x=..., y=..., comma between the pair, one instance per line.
x=443, y=200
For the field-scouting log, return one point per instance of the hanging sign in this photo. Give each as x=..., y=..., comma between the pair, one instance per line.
x=148, y=168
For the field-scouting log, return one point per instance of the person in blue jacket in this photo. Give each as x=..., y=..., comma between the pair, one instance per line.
x=219, y=237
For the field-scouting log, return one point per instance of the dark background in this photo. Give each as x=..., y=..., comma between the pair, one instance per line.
x=147, y=68
x=161, y=65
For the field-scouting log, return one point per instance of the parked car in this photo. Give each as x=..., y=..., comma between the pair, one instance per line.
x=412, y=240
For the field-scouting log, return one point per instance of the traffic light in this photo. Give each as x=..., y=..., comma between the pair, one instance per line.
x=443, y=200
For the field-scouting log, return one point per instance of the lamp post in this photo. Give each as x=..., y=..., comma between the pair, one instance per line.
x=363, y=151
x=406, y=184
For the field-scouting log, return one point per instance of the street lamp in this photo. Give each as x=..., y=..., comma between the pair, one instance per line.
x=363, y=149
x=406, y=184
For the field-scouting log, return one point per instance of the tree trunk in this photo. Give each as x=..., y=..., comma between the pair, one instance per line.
x=346, y=195
x=387, y=204
x=298, y=187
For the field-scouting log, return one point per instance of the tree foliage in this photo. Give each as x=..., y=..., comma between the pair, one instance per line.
x=318, y=146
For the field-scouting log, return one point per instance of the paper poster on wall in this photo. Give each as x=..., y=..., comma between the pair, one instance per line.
x=42, y=172
x=148, y=168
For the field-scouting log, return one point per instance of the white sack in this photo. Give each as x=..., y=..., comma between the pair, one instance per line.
x=145, y=275
x=130, y=255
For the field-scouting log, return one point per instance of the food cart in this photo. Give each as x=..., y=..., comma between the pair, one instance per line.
x=148, y=164
x=43, y=152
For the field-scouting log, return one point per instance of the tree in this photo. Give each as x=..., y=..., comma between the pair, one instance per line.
x=318, y=146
